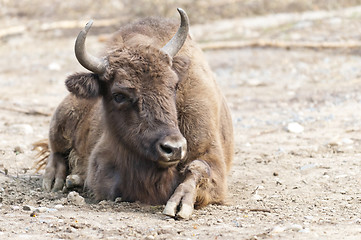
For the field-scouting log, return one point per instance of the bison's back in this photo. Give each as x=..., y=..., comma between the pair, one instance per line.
x=153, y=31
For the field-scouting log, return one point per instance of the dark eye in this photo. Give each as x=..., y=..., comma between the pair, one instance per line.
x=119, y=98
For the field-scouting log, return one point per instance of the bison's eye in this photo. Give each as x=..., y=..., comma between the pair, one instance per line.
x=120, y=98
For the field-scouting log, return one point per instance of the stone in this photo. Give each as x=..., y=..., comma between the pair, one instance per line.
x=75, y=198
x=295, y=127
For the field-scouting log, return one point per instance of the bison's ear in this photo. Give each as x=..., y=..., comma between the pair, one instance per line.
x=180, y=65
x=83, y=85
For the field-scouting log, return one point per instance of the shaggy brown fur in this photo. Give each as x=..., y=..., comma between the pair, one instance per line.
x=106, y=131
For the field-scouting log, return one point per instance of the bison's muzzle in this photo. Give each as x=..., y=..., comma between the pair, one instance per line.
x=171, y=150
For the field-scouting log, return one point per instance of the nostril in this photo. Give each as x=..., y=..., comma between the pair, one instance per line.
x=172, y=148
x=166, y=148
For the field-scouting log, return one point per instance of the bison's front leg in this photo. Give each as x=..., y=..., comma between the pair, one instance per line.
x=55, y=171
x=55, y=177
x=197, y=176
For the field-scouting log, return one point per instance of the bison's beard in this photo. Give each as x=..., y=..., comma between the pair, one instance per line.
x=116, y=172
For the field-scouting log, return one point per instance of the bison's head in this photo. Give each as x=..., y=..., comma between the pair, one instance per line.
x=138, y=85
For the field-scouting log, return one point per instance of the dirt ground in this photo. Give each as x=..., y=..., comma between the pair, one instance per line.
x=297, y=120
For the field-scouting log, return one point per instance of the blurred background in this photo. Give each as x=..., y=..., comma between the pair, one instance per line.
x=200, y=11
x=228, y=20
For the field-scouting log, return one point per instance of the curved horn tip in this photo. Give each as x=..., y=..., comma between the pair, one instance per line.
x=180, y=10
x=88, y=25
x=94, y=64
x=177, y=41
x=182, y=13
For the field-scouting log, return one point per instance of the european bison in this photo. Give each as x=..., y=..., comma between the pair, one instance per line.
x=147, y=124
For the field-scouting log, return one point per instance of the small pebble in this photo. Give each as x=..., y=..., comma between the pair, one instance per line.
x=307, y=167
x=18, y=149
x=27, y=208
x=277, y=229
x=103, y=203
x=15, y=207
x=54, y=66
x=166, y=229
x=341, y=176
x=59, y=206
x=295, y=227
x=257, y=197
x=41, y=209
x=305, y=230
x=281, y=150
x=75, y=198
x=294, y=127
x=52, y=210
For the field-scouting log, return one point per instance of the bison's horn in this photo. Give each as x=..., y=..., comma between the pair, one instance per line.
x=94, y=64
x=176, y=43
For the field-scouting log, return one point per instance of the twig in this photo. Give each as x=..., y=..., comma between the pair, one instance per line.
x=6, y=174
x=264, y=133
x=66, y=24
x=255, y=210
x=25, y=111
x=277, y=44
x=259, y=210
x=12, y=31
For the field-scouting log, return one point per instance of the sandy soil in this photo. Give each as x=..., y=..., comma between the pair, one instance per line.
x=297, y=119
